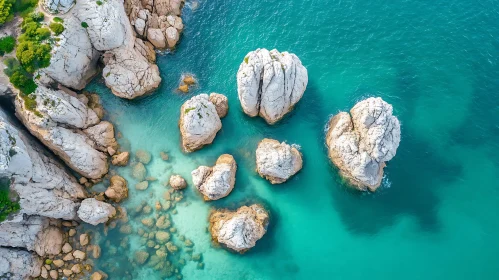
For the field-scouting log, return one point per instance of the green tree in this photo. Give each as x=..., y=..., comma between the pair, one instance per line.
x=33, y=55
x=5, y=11
x=7, y=44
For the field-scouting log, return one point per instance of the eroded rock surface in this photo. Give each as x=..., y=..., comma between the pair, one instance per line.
x=95, y=212
x=57, y=121
x=269, y=84
x=239, y=230
x=199, y=122
x=361, y=142
x=18, y=264
x=74, y=61
x=128, y=73
x=218, y=181
x=157, y=21
x=43, y=185
x=221, y=103
x=277, y=162
x=118, y=189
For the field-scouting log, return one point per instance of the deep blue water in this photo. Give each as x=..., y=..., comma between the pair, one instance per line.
x=435, y=216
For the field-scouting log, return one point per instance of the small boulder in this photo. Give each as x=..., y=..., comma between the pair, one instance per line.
x=143, y=156
x=84, y=239
x=177, y=182
x=139, y=171
x=218, y=181
x=141, y=257
x=277, y=162
x=95, y=212
x=121, y=159
x=142, y=185
x=239, y=230
x=67, y=248
x=79, y=255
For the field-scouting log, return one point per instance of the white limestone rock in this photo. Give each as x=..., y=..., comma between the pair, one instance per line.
x=58, y=6
x=129, y=74
x=43, y=185
x=108, y=26
x=218, y=181
x=269, y=84
x=57, y=123
x=74, y=60
x=361, y=142
x=16, y=264
x=199, y=123
x=239, y=230
x=277, y=162
x=103, y=136
x=95, y=212
x=33, y=233
x=156, y=37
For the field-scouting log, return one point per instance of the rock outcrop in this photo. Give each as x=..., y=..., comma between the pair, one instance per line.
x=34, y=233
x=74, y=61
x=177, y=182
x=128, y=73
x=58, y=120
x=103, y=136
x=277, y=162
x=361, y=142
x=157, y=21
x=239, y=230
x=199, y=123
x=57, y=6
x=18, y=264
x=269, y=84
x=218, y=181
x=43, y=185
x=95, y=212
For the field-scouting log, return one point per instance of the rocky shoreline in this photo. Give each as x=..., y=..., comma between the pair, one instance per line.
x=65, y=145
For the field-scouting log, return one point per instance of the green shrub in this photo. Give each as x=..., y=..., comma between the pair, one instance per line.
x=57, y=28
x=6, y=12
x=99, y=2
x=33, y=55
x=58, y=19
x=7, y=206
x=7, y=44
x=25, y=7
x=37, y=16
x=84, y=24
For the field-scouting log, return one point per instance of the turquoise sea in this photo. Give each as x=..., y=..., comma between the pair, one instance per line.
x=436, y=214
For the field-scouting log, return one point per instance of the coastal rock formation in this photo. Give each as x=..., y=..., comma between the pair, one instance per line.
x=157, y=21
x=128, y=73
x=43, y=185
x=57, y=6
x=107, y=25
x=118, y=189
x=58, y=120
x=121, y=159
x=34, y=233
x=277, y=162
x=361, y=142
x=221, y=103
x=95, y=212
x=74, y=61
x=19, y=264
x=103, y=136
x=218, y=181
x=239, y=230
x=269, y=84
x=199, y=123
x=177, y=182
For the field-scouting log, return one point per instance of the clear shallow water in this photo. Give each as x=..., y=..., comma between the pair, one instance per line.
x=435, y=216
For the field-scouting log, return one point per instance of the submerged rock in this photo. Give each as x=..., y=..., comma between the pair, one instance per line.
x=118, y=190
x=277, y=162
x=218, y=181
x=139, y=171
x=199, y=123
x=177, y=182
x=141, y=257
x=239, y=230
x=361, y=142
x=95, y=212
x=143, y=156
x=269, y=84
